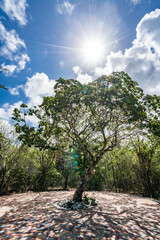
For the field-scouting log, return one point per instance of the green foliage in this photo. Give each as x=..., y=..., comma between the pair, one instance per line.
x=9, y=154
x=145, y=151
x=97, y=182
x=152, y=104
x=86, y=200
x=92, y=120
x=19, y=179
x=85, y=124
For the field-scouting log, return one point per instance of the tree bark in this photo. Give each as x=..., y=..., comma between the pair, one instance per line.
x=66, y=181
x=80, y=190
x=44, y=175
x=78, y=195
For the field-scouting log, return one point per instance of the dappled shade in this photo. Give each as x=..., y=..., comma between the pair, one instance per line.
x=117, y=215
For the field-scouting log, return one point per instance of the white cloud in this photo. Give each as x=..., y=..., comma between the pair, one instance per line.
x=5, y=126
x=11, y=42
x=15, y=9
x=9, y=131
x=6, y=110
x=65, y=8
x=38, y=86
x=22, y=59
x=15, y=91
x=77, y=70
x=155, y=90
x=10, y=68
x=83, y=78
x=142, y=60
x=148, y=30
x=13, y=48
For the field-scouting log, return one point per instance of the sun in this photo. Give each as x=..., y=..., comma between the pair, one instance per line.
x=92, y=50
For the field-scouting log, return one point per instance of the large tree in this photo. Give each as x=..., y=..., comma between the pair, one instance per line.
x=93, y=118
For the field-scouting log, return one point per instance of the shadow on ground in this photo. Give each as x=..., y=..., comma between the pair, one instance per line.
x=117, y=216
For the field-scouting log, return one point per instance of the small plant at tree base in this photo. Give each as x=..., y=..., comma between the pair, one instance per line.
x=89, y=201
x=93, y=202
x=86, y=200
x=69, y=204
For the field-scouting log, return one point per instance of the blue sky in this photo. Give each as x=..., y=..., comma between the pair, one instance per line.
x=41, y=41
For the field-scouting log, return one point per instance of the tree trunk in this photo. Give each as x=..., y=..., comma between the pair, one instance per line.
x=80, y=190
x=2, y=190
x=114, y=179
x=77, y=197
x=44, y=175
x=149, y=188
x=66, y=181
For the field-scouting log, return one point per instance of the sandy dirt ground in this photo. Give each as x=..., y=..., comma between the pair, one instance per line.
x=117, y=216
